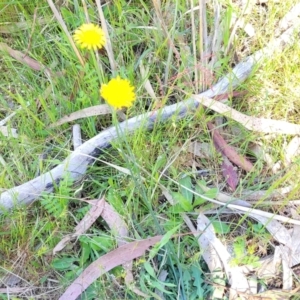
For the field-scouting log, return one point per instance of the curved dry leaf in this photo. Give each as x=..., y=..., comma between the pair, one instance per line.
x=226, y=198
x=105, y=263
x=114, y=221
x=278, y=231
x=87, y=221
x=229, y=173
x=266, y=194
x=242, y=208
x=116, y=224
x=119, y=230
x=97, y=110
x=212, y=246
x=227, y=150
x=209, y=254
x=258, y=212
x=252, y=123
x=26, y=60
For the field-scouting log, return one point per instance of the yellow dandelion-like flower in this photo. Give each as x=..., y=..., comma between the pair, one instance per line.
x=89, y=36
x=118, y=92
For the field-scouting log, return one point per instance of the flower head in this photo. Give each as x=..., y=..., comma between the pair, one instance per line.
x=118, y=92
x=89, y=36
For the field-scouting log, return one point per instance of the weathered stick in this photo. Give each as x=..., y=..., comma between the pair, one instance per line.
x=75, y=165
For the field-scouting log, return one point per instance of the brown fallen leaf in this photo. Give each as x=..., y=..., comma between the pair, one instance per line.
x=87, y=221
x=229, y=151
x=26, y=60
x=102, y=109
x=100, y=208
x=115, y=222
x=229, y=172
x=230, y=94
x=119, y=229
x=107, y=262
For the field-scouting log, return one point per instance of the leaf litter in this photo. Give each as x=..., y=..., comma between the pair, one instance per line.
x=100, y=208
x=97, y=110
x=215, y=253
x=105, y=263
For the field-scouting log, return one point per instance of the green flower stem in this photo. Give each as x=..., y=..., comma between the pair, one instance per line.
x=98, y=66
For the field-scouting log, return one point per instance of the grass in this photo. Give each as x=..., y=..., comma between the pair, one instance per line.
x=138, y=36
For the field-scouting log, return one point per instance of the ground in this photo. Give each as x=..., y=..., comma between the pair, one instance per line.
x=159, y=182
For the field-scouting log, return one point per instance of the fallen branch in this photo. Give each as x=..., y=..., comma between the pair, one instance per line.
x=75, y=165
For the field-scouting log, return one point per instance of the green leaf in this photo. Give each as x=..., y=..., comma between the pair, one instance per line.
x=163, y=241
x=201, y=183
x=186, y=182
x=220, y=227
x=186, y=277
x=212, y=193
x=161, y=161
x=104, y=243
x=184, y=203
x=65, y=263
x=175, y=209
x=239, y=248
x=160, y=286
x=85, y=253
x=149, y=269
x=198, y=280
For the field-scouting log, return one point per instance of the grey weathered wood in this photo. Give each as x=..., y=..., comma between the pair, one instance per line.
x=75, y=165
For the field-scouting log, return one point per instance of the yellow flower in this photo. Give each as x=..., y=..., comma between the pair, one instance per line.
x=89, y=36
x=118, y=92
